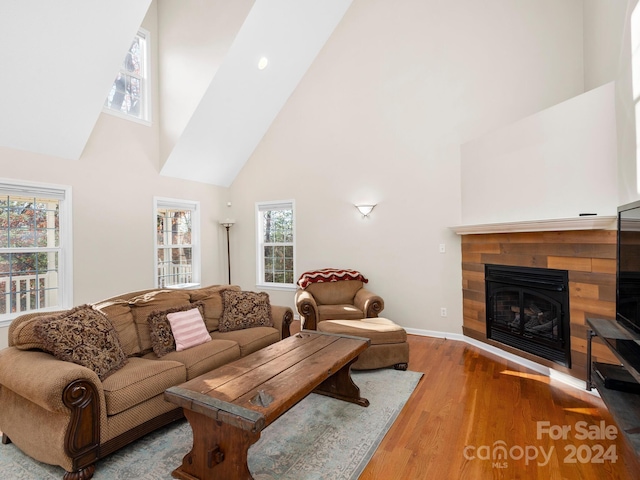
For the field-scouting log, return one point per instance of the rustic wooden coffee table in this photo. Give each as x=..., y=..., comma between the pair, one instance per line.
x=228, y=407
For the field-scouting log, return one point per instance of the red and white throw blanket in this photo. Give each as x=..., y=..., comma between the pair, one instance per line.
x=329, y=275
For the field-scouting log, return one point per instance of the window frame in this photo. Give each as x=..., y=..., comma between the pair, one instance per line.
x=260, y=270
x=160, y=203
x=145, y=85
x=62, y=193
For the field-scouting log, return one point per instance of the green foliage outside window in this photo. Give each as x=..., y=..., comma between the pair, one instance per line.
x=277, y=227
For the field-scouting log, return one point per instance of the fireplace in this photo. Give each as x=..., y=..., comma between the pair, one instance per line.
x=528, y=308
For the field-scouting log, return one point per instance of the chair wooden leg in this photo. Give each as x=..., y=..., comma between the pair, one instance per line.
x=85, y=473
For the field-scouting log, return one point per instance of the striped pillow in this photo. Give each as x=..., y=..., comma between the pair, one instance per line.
x=188, y=328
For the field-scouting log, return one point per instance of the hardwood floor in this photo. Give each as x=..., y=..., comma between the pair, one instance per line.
x=470, y=401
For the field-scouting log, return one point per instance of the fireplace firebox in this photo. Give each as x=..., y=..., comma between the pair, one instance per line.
x=528, y=309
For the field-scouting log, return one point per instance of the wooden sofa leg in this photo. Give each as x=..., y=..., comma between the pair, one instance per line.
x=401, y=366
x=5, y=439
x=83, y=474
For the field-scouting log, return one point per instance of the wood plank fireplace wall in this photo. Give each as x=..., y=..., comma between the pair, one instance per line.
x=588, y=255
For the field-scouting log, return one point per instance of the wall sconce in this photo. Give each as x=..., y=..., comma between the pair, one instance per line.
x=365, y=210
x=228, y=223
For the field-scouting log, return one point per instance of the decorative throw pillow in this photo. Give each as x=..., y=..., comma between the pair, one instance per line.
x=188, y=328
x=162, y=338
x=83, y=336
x=211, y=297
x=245, y=310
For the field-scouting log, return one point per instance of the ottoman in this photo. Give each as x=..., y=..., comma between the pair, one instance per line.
x=388, y=341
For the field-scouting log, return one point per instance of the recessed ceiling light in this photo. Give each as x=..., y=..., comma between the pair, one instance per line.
x=262, y=63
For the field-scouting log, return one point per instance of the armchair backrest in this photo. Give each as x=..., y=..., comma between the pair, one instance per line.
x=335, y=293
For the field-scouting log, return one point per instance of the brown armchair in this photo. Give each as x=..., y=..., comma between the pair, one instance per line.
x=331, y=294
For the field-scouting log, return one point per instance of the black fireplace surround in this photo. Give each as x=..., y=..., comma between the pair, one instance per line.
x=528, y=309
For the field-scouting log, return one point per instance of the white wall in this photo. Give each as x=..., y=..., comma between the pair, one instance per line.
x=557, y=163
x=626, y=115
x=380, y=117
x=604, y=22
x=113, y=185
x=578, y=156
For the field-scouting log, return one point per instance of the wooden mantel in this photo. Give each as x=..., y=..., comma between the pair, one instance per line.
x=586, y=222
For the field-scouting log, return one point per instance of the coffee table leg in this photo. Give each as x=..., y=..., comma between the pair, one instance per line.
x=340, y=385
x=219, y=450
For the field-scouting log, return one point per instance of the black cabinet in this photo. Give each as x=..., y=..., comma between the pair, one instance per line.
x=621, y=380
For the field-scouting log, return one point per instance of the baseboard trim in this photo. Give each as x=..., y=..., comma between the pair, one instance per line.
x=536, y=367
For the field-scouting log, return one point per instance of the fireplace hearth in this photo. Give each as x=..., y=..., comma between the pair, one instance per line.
x=528, y=308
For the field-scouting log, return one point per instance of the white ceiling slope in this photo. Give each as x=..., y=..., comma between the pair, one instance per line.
x=193, y=38
x=52, y=86
x=242, y=101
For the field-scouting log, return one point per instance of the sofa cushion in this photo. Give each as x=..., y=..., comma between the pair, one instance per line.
x=203, y=358
x=332, y=293
x=211, y=297
x=160, y=331
x=349, y=312
x=140, y=380
x=250, y=340
x=156, y=300
x=120, y=315
x=84, y=336
x=188, y=328
x=381, y=331
x=242, y=310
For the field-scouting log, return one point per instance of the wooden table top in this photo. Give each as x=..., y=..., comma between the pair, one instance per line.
x=253, y=391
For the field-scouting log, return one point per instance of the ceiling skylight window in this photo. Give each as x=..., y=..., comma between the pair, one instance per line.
x=128, y=96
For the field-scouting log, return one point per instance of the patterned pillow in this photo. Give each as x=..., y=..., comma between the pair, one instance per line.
x=211, y=297
x=242, y=310
x=188, y=329
x=83, y=336
x=162, y=339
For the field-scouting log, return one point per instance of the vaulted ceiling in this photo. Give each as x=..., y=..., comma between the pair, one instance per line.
x=59, y=63
x=59, y=60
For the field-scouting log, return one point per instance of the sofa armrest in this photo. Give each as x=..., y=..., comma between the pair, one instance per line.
x=41, y=378
x=370, y=303
x=282, y=318
x=307, y=308
x=63, y=388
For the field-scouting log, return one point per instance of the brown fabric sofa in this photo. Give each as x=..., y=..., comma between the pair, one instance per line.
x=62, y=413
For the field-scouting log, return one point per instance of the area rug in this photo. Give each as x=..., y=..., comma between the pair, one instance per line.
x=319, y=438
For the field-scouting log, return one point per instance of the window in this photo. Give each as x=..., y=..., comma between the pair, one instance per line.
x=177, y=243
x=276, y=264
x=35, y=249
x=129, y=94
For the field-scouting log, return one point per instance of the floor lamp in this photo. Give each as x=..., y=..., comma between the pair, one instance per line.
x=228, y=223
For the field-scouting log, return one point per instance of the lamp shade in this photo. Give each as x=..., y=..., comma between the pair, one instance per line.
x=365, y=210
x=227, y=222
